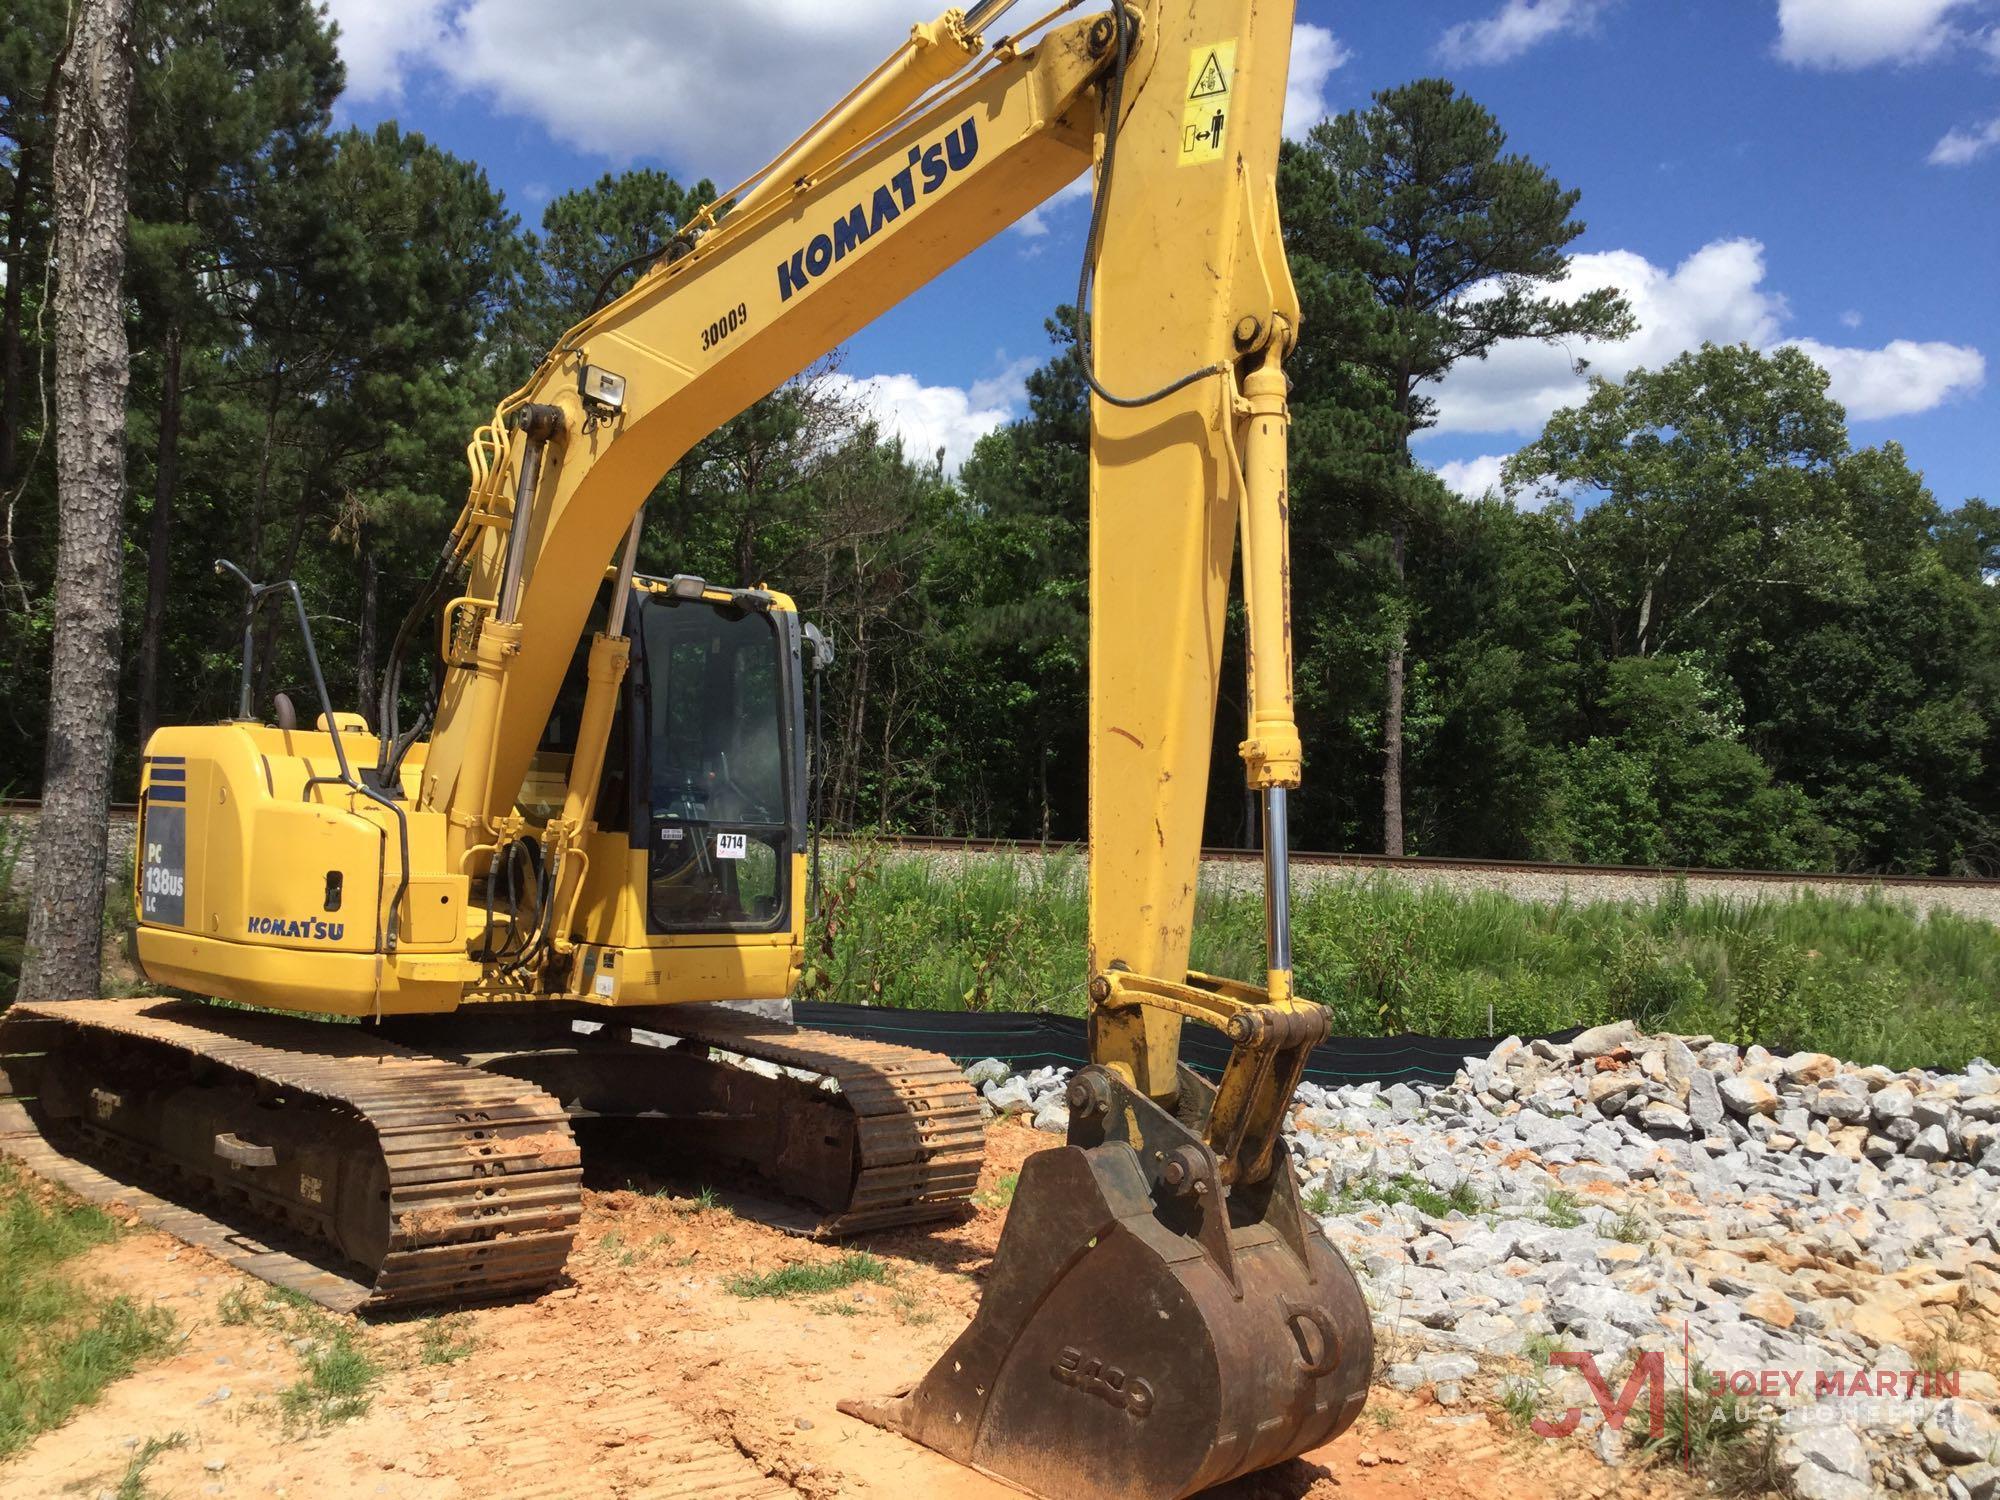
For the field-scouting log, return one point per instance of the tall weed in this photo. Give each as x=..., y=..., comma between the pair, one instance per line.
x=1868, y=979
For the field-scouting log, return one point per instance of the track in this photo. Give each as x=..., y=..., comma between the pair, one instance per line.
x=472, y=1188
x=917, y=1121
x=876, y=1136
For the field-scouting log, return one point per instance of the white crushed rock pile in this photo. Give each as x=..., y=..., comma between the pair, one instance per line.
x=1825, y=1235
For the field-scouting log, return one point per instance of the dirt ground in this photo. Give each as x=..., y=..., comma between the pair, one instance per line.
x=645, y=1377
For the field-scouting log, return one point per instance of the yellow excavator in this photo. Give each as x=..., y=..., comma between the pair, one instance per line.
x=540, y=906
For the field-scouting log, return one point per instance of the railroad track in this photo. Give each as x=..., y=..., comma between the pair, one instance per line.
x=1414, y=863
x=922, y=843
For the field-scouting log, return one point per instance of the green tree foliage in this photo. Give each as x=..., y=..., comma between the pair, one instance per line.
x=1419, y=244
x=1712, y=518
x=596, y=242
x=231, y=109
x=1726, y=637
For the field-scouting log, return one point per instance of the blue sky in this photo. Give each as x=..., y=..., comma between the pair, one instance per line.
x=1825, y=172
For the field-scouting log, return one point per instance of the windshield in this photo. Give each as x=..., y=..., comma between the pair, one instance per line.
x=716, y=728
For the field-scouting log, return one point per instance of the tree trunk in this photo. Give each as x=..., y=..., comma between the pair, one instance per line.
x=12, y=376
x=1392, y=707
x=365, y=647
x=167, y=465
x=10, y=319
x=66, y=910
x=276, y=616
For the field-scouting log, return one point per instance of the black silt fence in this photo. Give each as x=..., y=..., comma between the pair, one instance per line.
x=1026, y=1040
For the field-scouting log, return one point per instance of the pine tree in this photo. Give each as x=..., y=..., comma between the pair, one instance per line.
x=1436, y=248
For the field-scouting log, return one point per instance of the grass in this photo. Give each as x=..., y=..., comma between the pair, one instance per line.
x=336, y=1368
x=62, y=1341
x=1712, y=1432
x=1002, y=1193
x=1540, y=1347
x=277, y=1307
x=705, y=1201
x=1631, y=1228
x=1521, y=1400
x=446, y=1340
x=1461, y=1197
x=1750, y=1466
x=1561, y=1210
x=132, y=1483
x=800, y=1280
x=332, y=1386
x=625, y=1256
x=1868, y=979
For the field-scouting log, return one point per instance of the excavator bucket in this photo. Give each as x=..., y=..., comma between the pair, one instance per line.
x=1143, y=1333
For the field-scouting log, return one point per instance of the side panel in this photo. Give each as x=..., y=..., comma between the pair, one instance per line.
x=252, y=885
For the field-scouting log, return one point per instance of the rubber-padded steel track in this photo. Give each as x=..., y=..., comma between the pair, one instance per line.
x=484, y=1179
x=917, y=1120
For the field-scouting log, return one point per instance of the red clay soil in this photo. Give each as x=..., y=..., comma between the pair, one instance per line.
x=646, y=1377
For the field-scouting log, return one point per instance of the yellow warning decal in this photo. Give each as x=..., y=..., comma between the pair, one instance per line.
x=1205, y=116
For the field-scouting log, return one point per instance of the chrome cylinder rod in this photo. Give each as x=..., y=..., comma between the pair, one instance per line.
x=977, y=17
x=621, y=592
x=1278, y=880
x=539, y=423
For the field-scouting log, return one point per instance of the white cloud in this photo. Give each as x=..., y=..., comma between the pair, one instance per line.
x=1035, y=223
x=1316, y=54
x=1960, y=147
x=926, y=417
x=716, y=89
x=1898, y=379
x=1713, y=295
x=1516, y=27
x=380, y=38
x=1860, y=33
x=1850, y=319
x=1008, y=389
x=1717, y=295
x=1472, y=477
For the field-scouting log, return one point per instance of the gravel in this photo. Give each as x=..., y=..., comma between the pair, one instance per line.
x=1798, y=1221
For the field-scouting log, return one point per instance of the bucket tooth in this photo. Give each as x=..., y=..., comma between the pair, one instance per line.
x=1141, y=1336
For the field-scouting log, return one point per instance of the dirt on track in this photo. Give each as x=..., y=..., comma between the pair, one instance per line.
x=646, y=1377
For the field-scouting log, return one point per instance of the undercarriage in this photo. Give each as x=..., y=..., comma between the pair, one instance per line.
x=387, y=1167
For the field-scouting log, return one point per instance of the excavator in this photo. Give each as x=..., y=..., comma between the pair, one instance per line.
x=454, y=955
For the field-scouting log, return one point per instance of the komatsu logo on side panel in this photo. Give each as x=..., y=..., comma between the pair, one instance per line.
x=864, y=221
x=297, y=927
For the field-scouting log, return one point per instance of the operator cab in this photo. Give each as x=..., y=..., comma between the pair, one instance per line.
x=705, y=769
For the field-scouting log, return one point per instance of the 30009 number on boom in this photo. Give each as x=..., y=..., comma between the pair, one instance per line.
x=725, y=325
